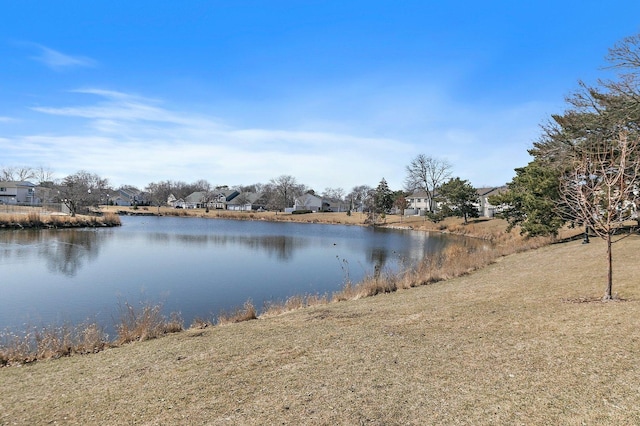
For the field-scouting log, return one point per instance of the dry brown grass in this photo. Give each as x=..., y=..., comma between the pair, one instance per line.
x=293, y=303
x=37, y=219
x=507, y=344
x=247, y=312
x=144, y=323
x=40, y=343
x=200, y=323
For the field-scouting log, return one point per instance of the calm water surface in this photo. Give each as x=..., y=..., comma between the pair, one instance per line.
x=196, y=266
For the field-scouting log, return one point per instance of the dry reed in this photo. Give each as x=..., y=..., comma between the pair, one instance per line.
x=293, y=303
x=34, y=219
x=145, y=323
x=51, y=342
x=246, y=313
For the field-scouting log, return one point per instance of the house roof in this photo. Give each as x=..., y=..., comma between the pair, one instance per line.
x=485, y=192
x=246, y=198
x=419, y=193
x=309, y=199
x=195, y=197
x=16, y=184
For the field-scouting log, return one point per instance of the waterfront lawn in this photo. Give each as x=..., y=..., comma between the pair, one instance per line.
x=525, y=340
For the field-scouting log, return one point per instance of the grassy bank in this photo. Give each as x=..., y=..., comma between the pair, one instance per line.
x=36, y=220
x=522, y=341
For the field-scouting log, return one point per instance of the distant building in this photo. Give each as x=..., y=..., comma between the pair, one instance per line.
x=417, y=203
x=485, y=208
x=21, y=192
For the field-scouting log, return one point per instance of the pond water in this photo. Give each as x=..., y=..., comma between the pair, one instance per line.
x=196, y=266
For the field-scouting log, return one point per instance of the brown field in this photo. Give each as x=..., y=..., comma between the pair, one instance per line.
x=524, y=340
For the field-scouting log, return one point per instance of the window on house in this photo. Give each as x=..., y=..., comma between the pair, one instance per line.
x=3, y=189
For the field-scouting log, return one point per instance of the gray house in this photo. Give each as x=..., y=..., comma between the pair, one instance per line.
x=307, y=202
x=248, y=201
x=21, y=192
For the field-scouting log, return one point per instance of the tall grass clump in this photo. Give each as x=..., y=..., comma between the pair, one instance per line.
x=200, y=323
x=16, y=348
x=369, y=286
x=38, y=343
x=35, y=219
x=111, y=219
x=293, y=303
x=144, y=323
x=245, y=313
x=380, y=284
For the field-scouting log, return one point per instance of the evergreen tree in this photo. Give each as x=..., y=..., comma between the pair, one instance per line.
x=383, y=197
x=531, y=200
x=460, y=198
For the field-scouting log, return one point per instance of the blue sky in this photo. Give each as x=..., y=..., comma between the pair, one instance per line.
x=334, y=93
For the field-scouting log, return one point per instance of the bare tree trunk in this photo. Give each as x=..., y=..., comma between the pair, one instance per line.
x=608, y=295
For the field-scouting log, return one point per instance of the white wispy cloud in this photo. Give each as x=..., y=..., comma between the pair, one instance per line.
x=59, y=61
x=135, y=140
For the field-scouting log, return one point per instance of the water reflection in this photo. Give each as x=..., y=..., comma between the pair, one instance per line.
x=282, y=247
x=64, y=251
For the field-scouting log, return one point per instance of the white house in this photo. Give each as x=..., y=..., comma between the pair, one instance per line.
x=417, y=203
x=485, y=208
x=308, y=202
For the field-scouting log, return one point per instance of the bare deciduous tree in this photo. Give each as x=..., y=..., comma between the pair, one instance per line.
x=42, y=175
x=601, y=191
x=357, y=197
x=333, y=193
x=207, y=193
x=159, y=192
x=16, y=173
x=285, y=189
x=427, y=173
x=81, y=190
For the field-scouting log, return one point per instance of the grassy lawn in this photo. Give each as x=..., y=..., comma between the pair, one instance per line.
x=522, y=341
